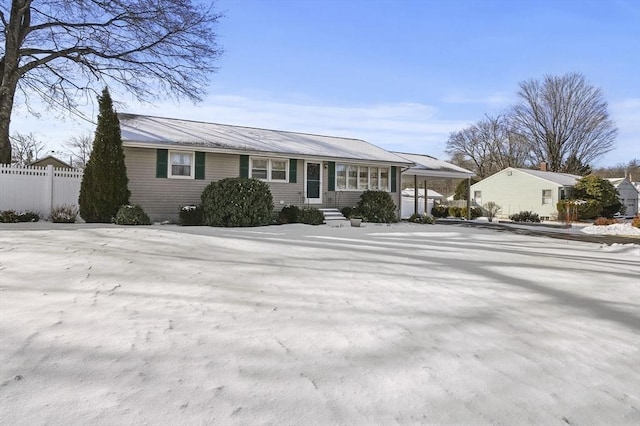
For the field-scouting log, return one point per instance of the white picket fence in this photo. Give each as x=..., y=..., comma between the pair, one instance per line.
x=38, y=189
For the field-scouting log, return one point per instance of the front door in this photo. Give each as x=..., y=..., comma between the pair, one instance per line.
x=313, y=183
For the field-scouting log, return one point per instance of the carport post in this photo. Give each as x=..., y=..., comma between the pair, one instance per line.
x=426, y=198
x=415, y=194
x=468, y=198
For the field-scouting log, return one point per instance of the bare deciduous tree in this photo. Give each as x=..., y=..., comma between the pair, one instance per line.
x=79, y=148
x=26, y=149
x=490, y=145
x=563, y=117
x=59, y=50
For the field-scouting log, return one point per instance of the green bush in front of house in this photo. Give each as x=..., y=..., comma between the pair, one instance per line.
x=455, y=211
x=377, y=207
x=310, y=216
x=190, y=216
x=525, y=216
x=289, y=214
x=131, y=215
x=476, y=212
x=237, y=202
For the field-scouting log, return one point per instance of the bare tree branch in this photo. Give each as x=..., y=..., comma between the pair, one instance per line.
x=58, y=49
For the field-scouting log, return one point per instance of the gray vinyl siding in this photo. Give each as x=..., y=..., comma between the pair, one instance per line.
x=518, y=192
x=162, y=198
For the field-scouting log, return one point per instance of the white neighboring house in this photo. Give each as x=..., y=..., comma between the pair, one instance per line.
x=628, y=195
x=516, y=190
x=637, y=186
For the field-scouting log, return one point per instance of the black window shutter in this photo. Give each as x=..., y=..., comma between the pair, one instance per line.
x=293, y=170
x=393, y=178
x=199, y=174
x=244, y=166
x=332, y=176
x=162, y=162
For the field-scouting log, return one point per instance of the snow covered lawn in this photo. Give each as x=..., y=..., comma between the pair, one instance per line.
x=303, y=325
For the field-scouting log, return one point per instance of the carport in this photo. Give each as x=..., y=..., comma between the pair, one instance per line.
x=425, y=168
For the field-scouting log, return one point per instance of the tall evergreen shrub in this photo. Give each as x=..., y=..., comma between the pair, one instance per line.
x=104, y=183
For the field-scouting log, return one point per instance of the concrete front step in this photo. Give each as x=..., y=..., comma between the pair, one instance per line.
x=332, y=214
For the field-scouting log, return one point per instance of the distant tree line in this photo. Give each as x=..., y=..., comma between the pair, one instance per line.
x=562, y=121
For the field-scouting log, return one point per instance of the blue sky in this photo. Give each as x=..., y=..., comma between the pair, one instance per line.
x=402, y=74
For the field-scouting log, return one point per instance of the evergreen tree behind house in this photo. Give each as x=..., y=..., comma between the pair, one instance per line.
x=104, y=185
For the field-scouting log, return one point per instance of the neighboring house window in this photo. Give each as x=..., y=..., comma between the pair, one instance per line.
x=477, y=197
x=361, y=178
x=181, y=164
x=546, y=196
x=269, y=169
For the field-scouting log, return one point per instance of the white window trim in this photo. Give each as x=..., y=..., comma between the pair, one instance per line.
x=170, y=174
x=358, y=167
x=270, y=169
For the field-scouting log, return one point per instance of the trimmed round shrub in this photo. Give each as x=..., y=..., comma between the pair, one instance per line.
x=131, y=215
x=348, y=211
x=310, y=216
x=64, y=214
x=440, y=210
x=377, y=207
x=525, y=216
x=635, y=222
x=190, y=216
x=289, y=214
x=237, y=202
x=28, y=216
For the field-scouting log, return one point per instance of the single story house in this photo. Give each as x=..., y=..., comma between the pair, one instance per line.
x=628, y=195
x=516, y=190
x=170, y=162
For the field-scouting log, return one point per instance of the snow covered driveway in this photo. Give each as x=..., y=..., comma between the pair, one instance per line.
x=403, y=324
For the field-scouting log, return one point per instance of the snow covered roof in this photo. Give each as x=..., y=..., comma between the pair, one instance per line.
x=142, y=130
x=426, y=165
x=564, y=179
x=616, y=181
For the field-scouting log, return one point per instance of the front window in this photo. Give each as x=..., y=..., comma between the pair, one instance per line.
x=546, y=196
x=259, y=168
x=269, y=169
x=181, y=164
x=278, y=170
x=361, y=178
x=341, y=176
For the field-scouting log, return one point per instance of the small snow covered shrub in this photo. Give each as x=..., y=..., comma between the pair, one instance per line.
x=289, y=214
x=377, y=207
x=8, y=216
x=190, y=216
x=604, y=221
x=131, y=215
x=455, y=211
x=525, y=216
x=64, y=214
x=440, y=210
x=237, y=202
x=28, y=216
x=310, y=216
x=636, y=222
x=421, y=218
